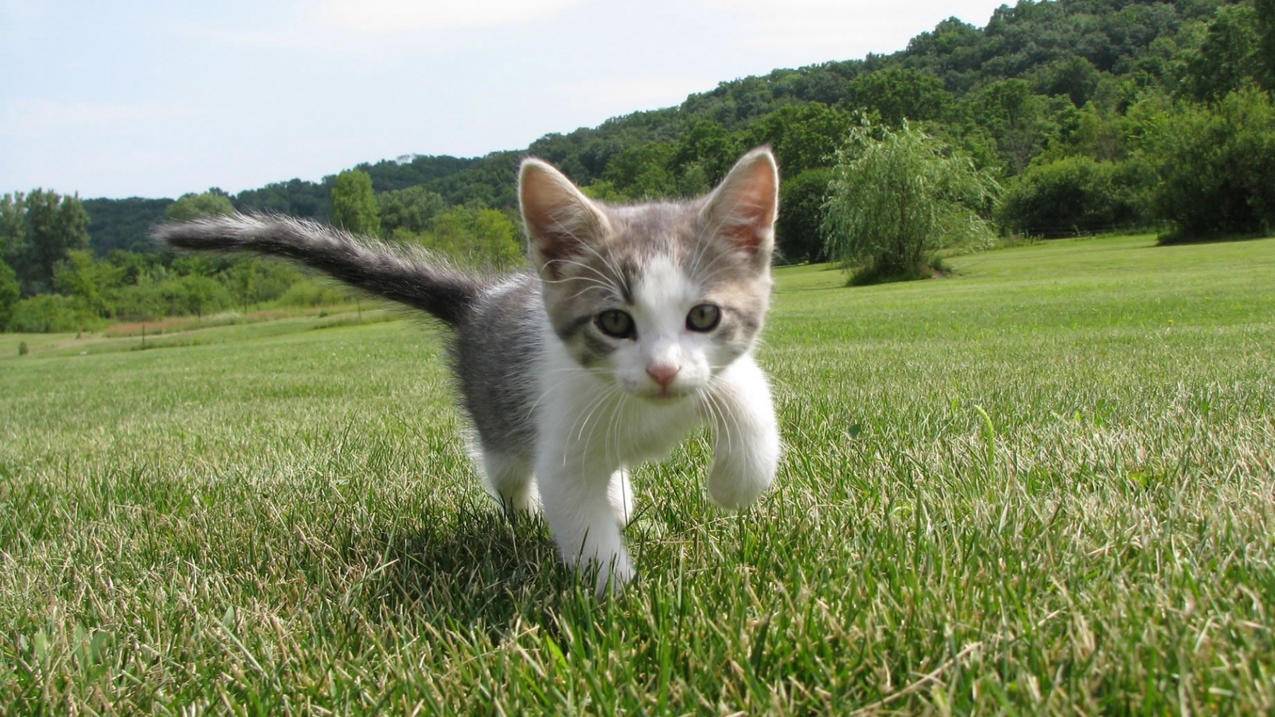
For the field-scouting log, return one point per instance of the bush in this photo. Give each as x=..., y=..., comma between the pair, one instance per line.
x=1074, y=195
x=182, y=296
x=9, y=293
x=313, y=292
x=896, y=196
x=52, y=313
x=800, y=214
x=471, y=236
x=1216, y=165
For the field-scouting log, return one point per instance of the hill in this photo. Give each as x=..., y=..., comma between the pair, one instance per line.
x=1006, y=93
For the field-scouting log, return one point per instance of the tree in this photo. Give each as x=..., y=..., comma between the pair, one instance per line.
x=1215, y=166
x=1074, y=195
x=354, y=204
x=9, y=293
x=802, y=136
x=41, y=228
x=193, y=206
x=81, y=276
x=1020, y=120
x=1266, y=41
x=412, y=208
x=900, y=94
x=1229, y=57
x=898, y=195
x=474, y=236
x=800, y=214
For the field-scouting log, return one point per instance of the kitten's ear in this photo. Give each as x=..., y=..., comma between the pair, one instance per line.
x=742, y=209
x=558, y=216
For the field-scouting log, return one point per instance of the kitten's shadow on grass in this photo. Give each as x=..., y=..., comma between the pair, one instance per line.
x=471, y=565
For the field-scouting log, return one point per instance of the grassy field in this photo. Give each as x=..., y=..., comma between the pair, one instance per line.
x=1045, y=484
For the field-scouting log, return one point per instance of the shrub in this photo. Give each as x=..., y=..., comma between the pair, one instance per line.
x=800, y=214
x=181, y=296
x=9, y=292
x=1216, y=165
x=313, y=292
x=896, y=196
x=52, y=313
x=1073, y=195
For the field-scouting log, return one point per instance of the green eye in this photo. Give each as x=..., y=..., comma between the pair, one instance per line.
x=615, y=323
x=704, y=317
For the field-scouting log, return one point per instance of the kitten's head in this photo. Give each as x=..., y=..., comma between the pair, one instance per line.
x=657, y=297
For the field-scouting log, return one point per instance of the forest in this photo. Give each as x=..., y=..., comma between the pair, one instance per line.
x=1081, y=116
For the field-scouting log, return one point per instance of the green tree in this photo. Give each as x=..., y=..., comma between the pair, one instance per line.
x=801, y=200
x=412, y=208
x=80, y=275
x=42, y=227
x=477, y=236
x=52, y=312
x=193, y=206
x=643, y=170
x=1074, y=195
x=1266, y=41
x=802, y=136
x=898, y=94
x=354, y=205
x=1021, y=121
x=1215, y=166
x=1229, y=57
x=9, y=293
x=896, y=196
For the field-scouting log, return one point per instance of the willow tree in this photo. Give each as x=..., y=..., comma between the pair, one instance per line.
x=896, y=197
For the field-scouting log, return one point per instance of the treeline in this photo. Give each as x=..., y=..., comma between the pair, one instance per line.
x=1091, y=115
x=50, y=280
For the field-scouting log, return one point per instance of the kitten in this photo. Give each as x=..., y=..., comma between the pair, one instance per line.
x=636, y=324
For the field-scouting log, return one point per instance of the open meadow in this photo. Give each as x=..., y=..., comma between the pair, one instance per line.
x=1044, y=483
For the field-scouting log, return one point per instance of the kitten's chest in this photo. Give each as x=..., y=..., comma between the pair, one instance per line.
x=650, y=431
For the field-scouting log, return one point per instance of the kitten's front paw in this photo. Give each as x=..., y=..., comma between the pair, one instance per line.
x=734, y=486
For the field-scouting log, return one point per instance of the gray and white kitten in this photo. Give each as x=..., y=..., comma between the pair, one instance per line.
x=636, y=324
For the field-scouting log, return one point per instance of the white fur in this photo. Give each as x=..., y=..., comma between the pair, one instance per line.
x=592, y=424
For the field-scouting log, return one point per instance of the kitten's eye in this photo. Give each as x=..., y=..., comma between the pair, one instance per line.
x=615, y=323
x=704, y=317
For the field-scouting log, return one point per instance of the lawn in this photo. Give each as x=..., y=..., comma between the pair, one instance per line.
x=1046, y=483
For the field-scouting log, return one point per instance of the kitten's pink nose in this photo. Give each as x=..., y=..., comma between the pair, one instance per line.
x=662, y=373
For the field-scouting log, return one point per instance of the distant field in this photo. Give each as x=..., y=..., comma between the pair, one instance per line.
x=1047, y=483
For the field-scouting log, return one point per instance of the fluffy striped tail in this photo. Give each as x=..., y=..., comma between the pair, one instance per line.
x=402, y=274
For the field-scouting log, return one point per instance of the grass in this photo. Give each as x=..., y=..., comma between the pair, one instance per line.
x=1044, y=484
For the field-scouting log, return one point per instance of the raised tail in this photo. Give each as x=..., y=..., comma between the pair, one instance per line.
x=402, y=274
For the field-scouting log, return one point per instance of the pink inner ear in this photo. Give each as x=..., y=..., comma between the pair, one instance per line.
x=748, y=207
x=557, y=220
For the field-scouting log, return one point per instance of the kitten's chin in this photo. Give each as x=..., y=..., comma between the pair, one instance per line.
x=665, y=398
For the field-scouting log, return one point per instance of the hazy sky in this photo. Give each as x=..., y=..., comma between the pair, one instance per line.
x=159, y=98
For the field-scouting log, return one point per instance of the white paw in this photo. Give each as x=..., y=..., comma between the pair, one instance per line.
x=620, y=496
x=736, y=489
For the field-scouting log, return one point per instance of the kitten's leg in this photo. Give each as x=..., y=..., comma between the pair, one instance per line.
x=746, y=433
x=509, y=480
x=577, y=506
x=620, y=494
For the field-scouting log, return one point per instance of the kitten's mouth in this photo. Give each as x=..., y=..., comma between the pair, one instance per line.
x=665, y=395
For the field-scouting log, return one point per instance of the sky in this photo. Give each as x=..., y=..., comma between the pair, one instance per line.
x=116, y=99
